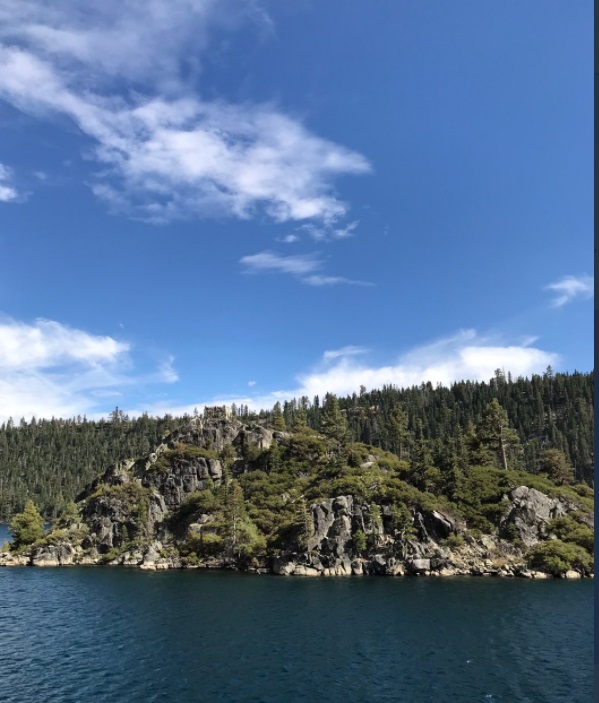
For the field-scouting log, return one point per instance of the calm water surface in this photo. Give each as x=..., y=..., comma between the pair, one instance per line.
x=112, y=635
x=106, y=635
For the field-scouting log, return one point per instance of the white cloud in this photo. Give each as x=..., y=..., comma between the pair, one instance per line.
x=126, y=73
x=333, y=281
x=251, y=383
x=344, y=232
x=8, y=192
x=288, y=239
x=268, y=261
x=569, y=288
x=328, y=231
x=465, y=356
x=49, y=369
x=317, y=232
x=302, y=266
x=166, y=371
x=47, y=343
x=349, y=350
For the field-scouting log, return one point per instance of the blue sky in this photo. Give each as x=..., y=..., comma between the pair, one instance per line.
x=247, y=201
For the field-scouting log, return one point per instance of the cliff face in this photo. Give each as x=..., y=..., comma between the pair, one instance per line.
x=219, y=494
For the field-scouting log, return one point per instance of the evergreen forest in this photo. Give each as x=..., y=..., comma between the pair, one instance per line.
x=541, y=424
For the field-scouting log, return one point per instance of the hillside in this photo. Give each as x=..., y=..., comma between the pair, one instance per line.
x=51, y=461
x=220, y=493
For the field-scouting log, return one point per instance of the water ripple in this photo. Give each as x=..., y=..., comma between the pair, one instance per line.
x=82, y=635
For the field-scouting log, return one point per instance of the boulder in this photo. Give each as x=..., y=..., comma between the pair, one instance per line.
x=529, y=511
x=303, y=570
x=438, y=525
x=571, y=574
x=257, y=436
x=53, y=555
x=417, y=566
x=283, y=567
x=357, y=567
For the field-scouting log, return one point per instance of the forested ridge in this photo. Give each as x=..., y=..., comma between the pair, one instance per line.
x=50, y=461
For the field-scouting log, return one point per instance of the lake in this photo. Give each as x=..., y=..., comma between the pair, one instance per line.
x=112, y=635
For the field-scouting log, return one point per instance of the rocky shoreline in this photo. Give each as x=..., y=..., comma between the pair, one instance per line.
x=152, y=561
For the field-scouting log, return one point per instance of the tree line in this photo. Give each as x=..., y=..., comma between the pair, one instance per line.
x=548, y=411
x=511, y=423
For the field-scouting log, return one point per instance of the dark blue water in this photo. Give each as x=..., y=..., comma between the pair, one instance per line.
x=112, y=635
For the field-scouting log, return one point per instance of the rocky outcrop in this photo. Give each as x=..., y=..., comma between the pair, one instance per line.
x=62, y=554
x=139, y=513
x=332, y=528
x=185, y=476
x=529, y=511
x=332, y=548
x=8, y=559
x=209, y=433
x=436, y=525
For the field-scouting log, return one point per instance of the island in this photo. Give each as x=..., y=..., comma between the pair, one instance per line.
x=227, y=492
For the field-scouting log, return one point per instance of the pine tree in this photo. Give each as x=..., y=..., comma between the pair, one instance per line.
x=555, y=464
x=333, y=424
x=300, y=420
x=495, y=433
x=277, y=418
x=332, y=420
x=27, y=527
x=69, y=515
x=424, y=474
x=401, y=438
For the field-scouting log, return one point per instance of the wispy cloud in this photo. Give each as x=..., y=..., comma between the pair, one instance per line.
x=288, y=239
x=318, y=280
x=49, y=369
x=165, y=153
x=343, y=352
x=166, y=371
x=8, y=192
x=269, y=261
x=303, y=266
x=464, y=356
x=570, y=288
x=329, y=231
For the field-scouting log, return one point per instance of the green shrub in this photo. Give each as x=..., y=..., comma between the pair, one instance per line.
x=167, y=459
x=111, y=555
x=53, y=537
x=401, y=521
x=476, y=522
x=359, y=540
x=453, y=541
x=557, y=557
x=391, y=463
x=510, y=533
x=583, y=490
x=493, y=512
x=190, y=560
x=473, y=535
x=210, y=545
x=196, y=503
x=567, y=529
x=69, y=515
x=127, y=494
